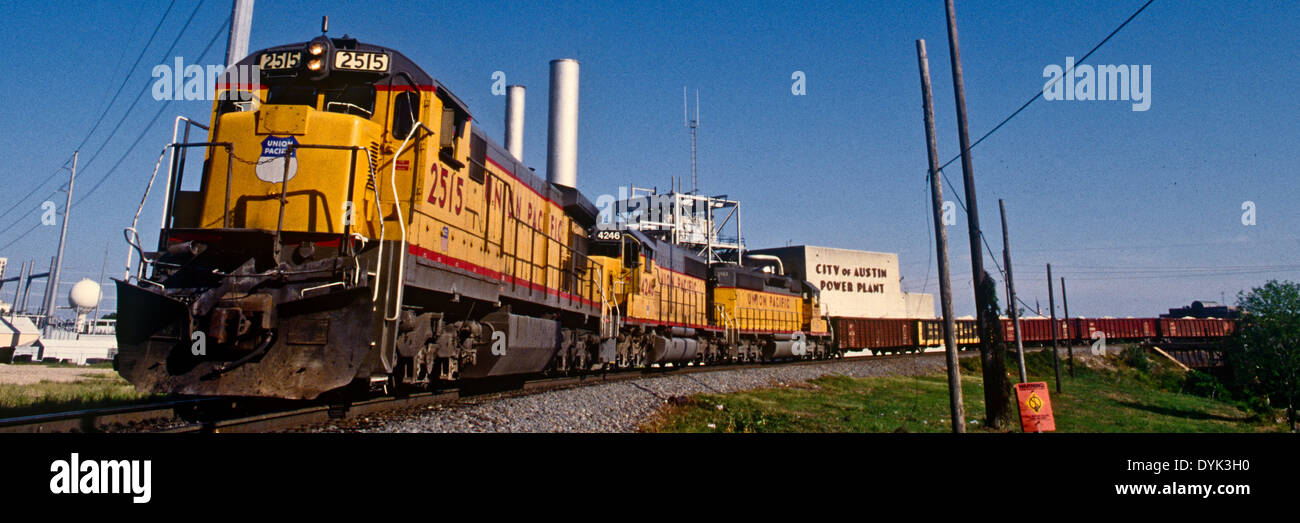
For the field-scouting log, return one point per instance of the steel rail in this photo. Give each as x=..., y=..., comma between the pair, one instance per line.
x=96, y=420
x=290, y=419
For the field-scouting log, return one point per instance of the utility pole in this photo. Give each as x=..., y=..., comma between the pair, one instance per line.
x=18, y=290
x=94, y=319
x=52, y=291
x=1011, y=293
x=1051, y=305
x=1069, y=340
x=241, y=25
x=997, y=389
x=27, y=283
x=958, y=411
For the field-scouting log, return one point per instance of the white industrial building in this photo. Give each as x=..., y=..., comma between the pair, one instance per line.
x=858, y=284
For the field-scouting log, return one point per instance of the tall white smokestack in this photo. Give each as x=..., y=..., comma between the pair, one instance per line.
x=515, y=121
x=562, y=142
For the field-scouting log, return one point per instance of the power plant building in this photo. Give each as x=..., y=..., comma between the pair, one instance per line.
x=858, y=284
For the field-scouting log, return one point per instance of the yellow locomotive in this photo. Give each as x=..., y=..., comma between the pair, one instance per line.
x=353, y=226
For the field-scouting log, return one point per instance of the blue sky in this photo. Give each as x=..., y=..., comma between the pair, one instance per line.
x=1106, y=194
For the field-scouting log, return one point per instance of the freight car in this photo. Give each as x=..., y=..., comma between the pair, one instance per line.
x=1175, y=329
x=898, y=335
x=1038, y=332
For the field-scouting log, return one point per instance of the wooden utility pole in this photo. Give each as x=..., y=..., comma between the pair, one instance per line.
x=1069, y=340
x=1051, y=306
x=1011, y=293
x=997, y=388
x=941, y=245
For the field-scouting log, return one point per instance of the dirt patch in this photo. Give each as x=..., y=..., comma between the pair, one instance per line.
x=29, y=374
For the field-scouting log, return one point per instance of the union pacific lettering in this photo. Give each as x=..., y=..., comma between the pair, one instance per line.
x=679, y=280
x=766, y=300
x=526, y=209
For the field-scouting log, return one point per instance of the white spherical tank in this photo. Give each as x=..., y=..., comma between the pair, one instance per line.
x=84, y=295
x=83, y=298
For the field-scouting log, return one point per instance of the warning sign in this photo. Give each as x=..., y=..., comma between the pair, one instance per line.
x=1035, y=407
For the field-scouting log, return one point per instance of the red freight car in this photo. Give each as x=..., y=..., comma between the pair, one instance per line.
x=1119, y=328
x=878, y=334
x=1037, y=331
x=1182, y=328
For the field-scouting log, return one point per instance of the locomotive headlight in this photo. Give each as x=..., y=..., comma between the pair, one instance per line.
x=316, y=49
x=315, y=65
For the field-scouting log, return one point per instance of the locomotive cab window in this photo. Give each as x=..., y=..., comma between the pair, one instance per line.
x=405, y=105
x=477, y=157
x=606, y=249
x=236, y=101
x=291, y=95
x=632, y=255
x=357, y=100
x=454, y=120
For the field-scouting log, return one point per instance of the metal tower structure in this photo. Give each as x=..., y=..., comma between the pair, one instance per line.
x=694, y=126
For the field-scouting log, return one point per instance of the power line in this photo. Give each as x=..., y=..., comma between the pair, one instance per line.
x=109, y=105
x=135, y=64
x=1144, y=246
x=1166, y=268
x=20, y=219
x=1165, y=276
x=140, y=96
x=48, y=179
x=151, y=123
x=1037, y=94
x=143, y=132
x=20, y=236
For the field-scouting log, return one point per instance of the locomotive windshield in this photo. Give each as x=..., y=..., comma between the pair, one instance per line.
x=356, y=100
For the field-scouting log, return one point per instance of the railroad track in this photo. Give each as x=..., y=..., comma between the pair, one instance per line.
x=96, y=420
x=176, y=416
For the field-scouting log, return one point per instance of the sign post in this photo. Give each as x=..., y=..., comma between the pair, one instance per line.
x=1035, y=407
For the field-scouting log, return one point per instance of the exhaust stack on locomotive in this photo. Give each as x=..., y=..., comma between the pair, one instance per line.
x=562, y=140
x=515, y=121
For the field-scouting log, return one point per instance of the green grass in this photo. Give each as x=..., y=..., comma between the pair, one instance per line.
x=93, y=390
x=1109, y=396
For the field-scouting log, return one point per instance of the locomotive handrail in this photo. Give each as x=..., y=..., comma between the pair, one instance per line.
x=172, y=165
x=172, y=186
x=397, y=206
x=173, y=182
x=352, y=172
x=606, y=305
x=135, y=221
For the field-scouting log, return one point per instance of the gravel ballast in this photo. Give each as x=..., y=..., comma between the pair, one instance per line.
x=621, y=406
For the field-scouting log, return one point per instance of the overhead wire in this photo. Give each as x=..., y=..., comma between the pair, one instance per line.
x=1037, y=94
x=221, y=29
x=104, y=113
x=151, y=123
